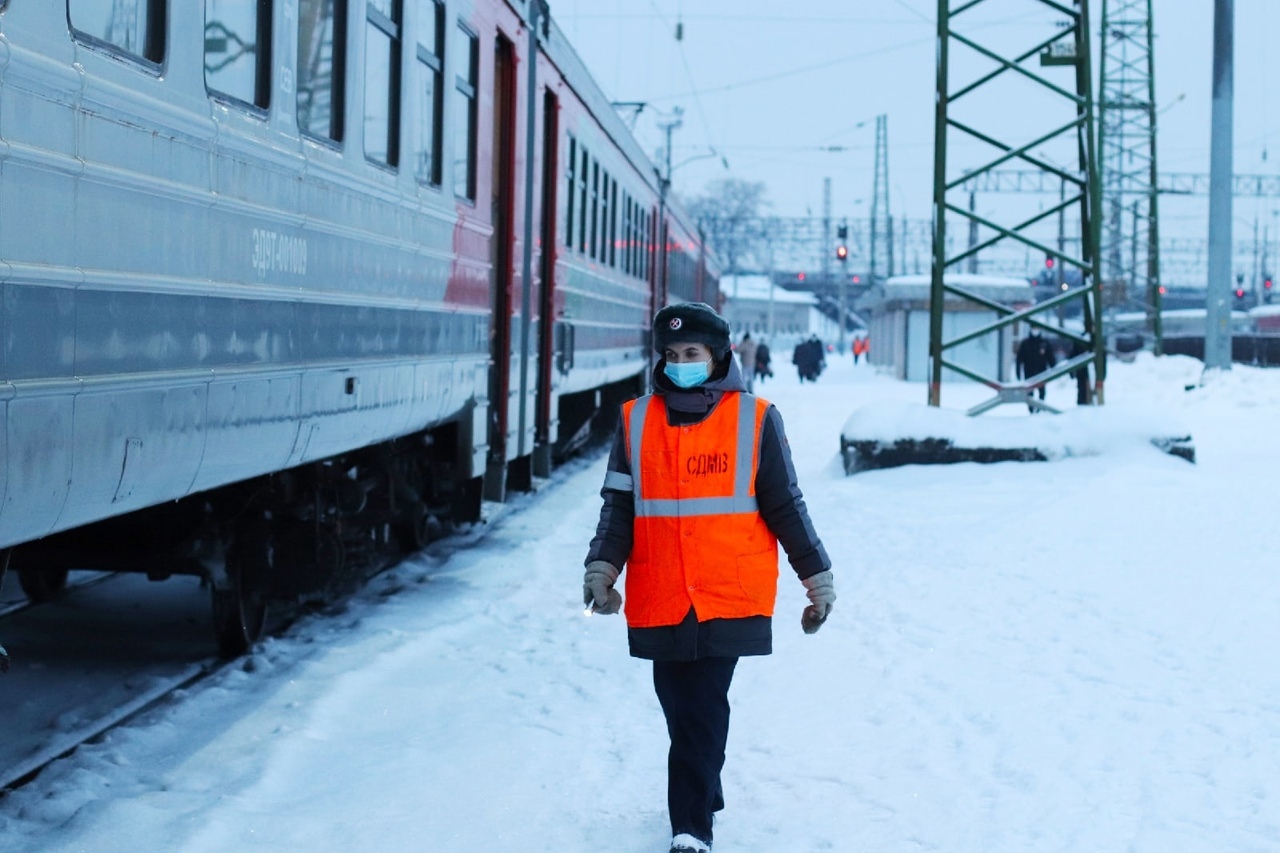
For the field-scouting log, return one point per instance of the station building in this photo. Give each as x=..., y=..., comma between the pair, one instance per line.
x=898, y=315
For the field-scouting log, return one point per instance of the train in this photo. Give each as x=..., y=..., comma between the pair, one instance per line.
x=289, y=286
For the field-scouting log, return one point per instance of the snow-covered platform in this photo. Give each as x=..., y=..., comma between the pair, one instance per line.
x=888, y=434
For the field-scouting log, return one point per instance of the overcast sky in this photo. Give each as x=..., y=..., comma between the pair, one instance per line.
x=769, y=85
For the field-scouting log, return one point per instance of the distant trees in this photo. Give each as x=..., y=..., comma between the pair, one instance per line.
x=730, y=214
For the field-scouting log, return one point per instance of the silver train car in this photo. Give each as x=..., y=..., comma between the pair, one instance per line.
x=289, y=286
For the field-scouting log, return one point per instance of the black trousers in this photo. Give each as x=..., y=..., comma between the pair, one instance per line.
x=695, y=699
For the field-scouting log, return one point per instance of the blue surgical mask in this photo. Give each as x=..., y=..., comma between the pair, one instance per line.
x=688, y=375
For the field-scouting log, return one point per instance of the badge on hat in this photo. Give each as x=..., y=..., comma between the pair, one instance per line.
x=676, y=323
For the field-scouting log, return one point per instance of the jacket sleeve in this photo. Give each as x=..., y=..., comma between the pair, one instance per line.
x=782, y=504
x=614, y=532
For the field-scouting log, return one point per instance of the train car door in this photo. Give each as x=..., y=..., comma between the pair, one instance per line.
x=545, y=437
x=503, y=201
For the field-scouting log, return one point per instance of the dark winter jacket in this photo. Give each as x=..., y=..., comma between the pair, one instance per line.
x=1035, y=356
x=781, y=505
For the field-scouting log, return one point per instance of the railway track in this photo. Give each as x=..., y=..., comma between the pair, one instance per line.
x=111, y=647
x=28, y=768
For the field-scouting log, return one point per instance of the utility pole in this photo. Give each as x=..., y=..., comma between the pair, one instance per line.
x=1217, y=333
x=664, y=187
x=668, y=125
x=826, y=236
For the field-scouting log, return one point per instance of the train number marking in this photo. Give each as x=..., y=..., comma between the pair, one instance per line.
x=276, y=252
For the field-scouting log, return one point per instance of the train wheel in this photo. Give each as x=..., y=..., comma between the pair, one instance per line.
x=239, y=619
x=419, y=532
x=43, y=585
x=240, y=606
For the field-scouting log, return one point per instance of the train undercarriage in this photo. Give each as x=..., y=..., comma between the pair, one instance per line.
x=309, y=533
x=304, y=535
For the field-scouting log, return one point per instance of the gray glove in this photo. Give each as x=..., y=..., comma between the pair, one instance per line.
x=821, y=589
x=597, y=588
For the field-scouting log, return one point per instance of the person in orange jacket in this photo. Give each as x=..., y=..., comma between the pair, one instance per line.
x=861, y=346
x=698, y=493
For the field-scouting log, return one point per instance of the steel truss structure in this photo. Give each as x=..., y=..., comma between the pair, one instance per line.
x=881, y=218
x=1049, y=115
x=1127, y=118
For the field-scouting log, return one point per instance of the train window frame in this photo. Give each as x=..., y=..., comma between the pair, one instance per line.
x=337, y=90
x=583, y=184
x=613, y=222
x=570, y=176
x=628, y=235
x=379, y=23
x=429, y=66
x=595, y=210
x=261, y=98
x=155, y=35
x=466, y=90
x=646, y=226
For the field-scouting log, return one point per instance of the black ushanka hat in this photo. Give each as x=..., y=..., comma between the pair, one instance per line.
x=691, y=322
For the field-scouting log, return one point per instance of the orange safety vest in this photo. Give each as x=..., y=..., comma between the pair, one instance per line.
x=698, y=537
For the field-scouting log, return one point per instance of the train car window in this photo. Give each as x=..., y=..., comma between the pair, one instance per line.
x=627, y=236
x=382, y=82
x=595, y=210
x=631, y=239
x=466, y=59
x=135, y=27
x=613, y=223
x=322, y=50
x=571, y=175
x=637, y=251
x=645, y=225
x=429, y=91
x=237, y=49
x=604, y=216
x=583, y=188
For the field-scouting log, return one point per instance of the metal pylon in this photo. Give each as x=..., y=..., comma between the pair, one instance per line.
x=1127, y=139
x=881, y=219
x=1029, y=104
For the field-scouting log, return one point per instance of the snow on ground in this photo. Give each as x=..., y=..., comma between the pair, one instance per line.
x=1067, y=656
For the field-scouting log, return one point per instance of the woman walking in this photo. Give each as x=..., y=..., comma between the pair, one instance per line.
x=699, y=492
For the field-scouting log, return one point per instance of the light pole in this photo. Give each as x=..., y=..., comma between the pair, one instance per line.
x=1217, y=339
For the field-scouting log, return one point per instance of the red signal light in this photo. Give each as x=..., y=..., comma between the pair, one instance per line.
x=800, y=276
x=1239, y=293
x=1048, y=262
x=857, y=279
x=1267, y=284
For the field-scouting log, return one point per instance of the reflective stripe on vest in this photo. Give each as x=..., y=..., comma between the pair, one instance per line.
x=699, y=539
x=741, y=501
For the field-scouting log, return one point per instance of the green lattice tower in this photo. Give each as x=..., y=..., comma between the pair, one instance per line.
x=1127, y=140
x=1015, y=95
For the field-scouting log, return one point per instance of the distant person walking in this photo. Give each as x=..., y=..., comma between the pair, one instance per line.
x=747, y=360
x=699, y=491
x=763, y=367
x=1035, y=356
x=861, y=347
x=809, y=359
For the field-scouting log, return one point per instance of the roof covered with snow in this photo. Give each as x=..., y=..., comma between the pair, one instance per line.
x=757, y=287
